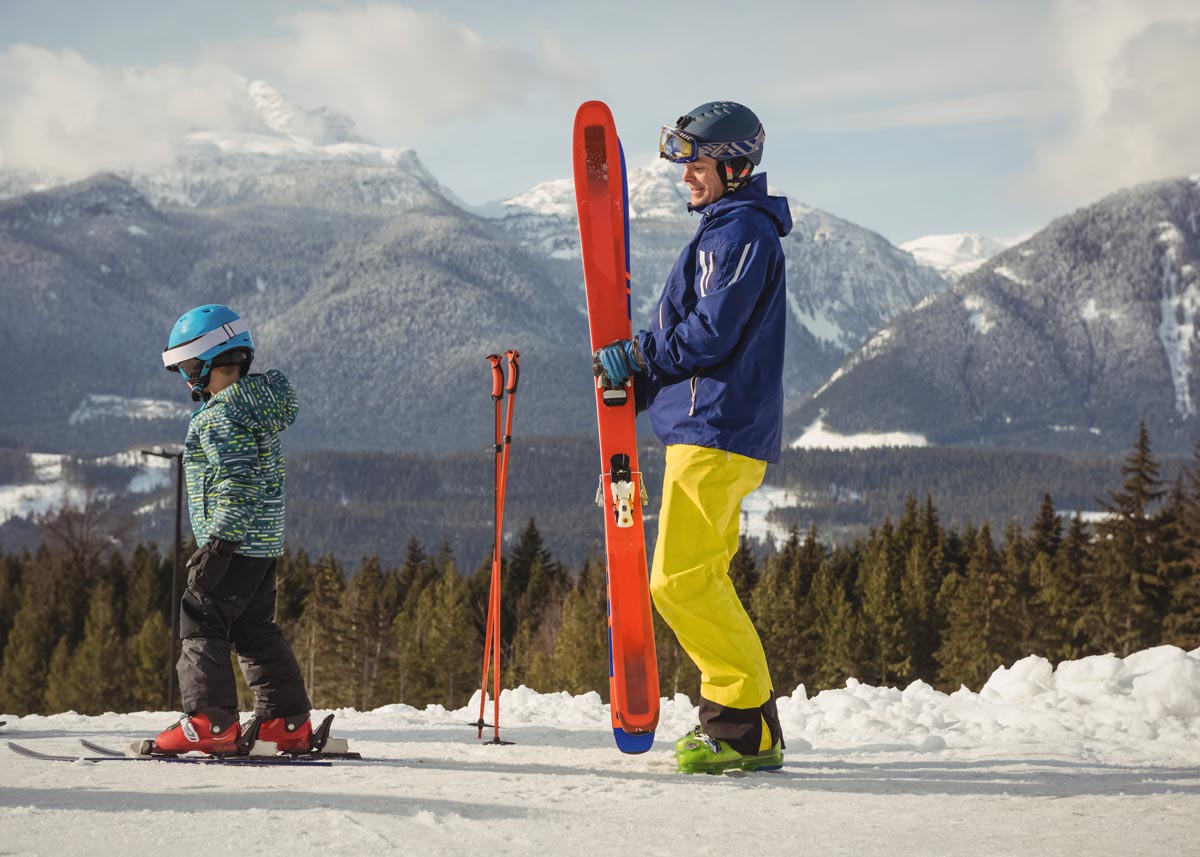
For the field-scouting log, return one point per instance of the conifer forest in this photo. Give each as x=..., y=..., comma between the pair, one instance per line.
x=85, y=623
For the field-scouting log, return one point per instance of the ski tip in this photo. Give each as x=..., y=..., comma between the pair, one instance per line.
x=633, y=742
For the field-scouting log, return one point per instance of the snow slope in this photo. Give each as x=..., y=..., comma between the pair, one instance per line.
x=1099, y=756
x=954, y=255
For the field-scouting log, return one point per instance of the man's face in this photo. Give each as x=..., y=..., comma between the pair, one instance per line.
x=703, y=181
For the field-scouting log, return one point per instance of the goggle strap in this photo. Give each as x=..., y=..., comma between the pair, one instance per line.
x=204, y=342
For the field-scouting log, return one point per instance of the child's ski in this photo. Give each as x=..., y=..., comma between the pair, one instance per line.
x=308, y=761
x=601, y=195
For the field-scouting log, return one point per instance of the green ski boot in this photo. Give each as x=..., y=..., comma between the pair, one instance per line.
x=697, y=753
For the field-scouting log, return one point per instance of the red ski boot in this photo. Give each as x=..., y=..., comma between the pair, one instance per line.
x=211, y=731
x=288, y=734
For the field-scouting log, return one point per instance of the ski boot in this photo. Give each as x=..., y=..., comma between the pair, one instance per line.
x=291, y=736
x=211, y=730
x=698, y=753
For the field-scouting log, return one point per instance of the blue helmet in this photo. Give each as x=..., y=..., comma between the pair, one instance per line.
x=726, y=131
x=204, y=337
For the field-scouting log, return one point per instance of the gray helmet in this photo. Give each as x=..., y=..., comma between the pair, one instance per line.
x=726, y=131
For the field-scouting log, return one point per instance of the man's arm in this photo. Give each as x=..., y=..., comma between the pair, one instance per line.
x=731, y=277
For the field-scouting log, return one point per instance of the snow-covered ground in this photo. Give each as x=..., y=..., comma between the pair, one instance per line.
x=1100, y=757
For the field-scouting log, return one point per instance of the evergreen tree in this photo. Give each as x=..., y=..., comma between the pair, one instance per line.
x=321, y=644
x=59, y=694
x=27, y=655
x=838, y=635
x=448, y=646
x=11, y=568
x=95, y=686
x=145, y=592
x=924, y=569
x=780, y=612
x=1018, y=569
x=150, y=650
x=295, y=577
x=368, y=631
x=980, y=633
x=1181, y=559
x=1045, y=535
x=581, y=649
x=1132, y=601
x=884, y=638
x=743, y=570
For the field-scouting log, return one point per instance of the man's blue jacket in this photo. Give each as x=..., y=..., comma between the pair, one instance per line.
x=715, y=350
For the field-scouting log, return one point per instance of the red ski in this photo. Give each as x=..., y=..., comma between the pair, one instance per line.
x=601, y=194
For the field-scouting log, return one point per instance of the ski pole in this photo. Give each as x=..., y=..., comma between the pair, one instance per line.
x=493, y=615
x=513, y=357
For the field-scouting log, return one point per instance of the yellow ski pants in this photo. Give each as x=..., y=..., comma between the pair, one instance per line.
x=689, y=581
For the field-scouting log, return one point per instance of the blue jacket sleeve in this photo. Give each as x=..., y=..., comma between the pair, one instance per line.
x=730, y=278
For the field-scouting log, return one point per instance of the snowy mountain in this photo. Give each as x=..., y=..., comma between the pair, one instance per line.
x=1064, y=341
x=954, y=255
x=353, y=264
x=285, y=155
x=1097, y=756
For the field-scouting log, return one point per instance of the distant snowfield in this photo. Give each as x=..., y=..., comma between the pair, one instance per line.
x=1100, y=757
x=52, y=490
x=954, y=255
x=820, y=436
x=758, y=506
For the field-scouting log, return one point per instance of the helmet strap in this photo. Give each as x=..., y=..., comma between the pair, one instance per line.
x=735, y=172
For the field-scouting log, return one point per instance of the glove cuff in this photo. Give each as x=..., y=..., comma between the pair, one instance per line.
x=636, y=357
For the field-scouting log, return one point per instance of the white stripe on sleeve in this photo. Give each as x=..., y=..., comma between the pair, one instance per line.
x=737, y=275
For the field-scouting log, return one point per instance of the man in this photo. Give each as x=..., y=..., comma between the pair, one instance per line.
x=233, y=462
x=710, y=373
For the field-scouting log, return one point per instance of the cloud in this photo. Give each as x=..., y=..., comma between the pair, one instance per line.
x=396, y=69
x=1132, y=69
x=969, y=109
x=61, y=114
x=390, y=68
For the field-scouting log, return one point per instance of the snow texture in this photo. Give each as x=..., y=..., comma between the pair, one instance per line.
x=1100, y=756
x=820, y=436
x=953, y=255
x=1180, y=305
x=52, y=488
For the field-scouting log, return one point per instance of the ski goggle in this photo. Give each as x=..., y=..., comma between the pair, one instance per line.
x=681, y=147
x=677, y=146
x=194, y=369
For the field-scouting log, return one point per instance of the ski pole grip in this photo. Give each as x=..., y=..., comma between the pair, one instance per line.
x=497, y=377
x=514, y=369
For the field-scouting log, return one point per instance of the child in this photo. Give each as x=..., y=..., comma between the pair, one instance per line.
x=233, y=462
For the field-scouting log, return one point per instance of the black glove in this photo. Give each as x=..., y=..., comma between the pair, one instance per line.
x=208, y=565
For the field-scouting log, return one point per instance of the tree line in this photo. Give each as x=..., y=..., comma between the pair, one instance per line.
x=85, y=625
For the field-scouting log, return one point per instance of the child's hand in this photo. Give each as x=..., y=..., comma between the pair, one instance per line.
x=208, y=565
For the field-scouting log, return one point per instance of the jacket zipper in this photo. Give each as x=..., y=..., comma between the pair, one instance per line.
x=695, y=381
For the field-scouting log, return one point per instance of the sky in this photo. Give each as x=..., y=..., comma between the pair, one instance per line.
x=908, y=118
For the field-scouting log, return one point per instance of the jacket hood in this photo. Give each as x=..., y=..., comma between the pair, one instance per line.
x=755, y=195
x=262, y=401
